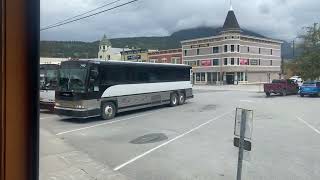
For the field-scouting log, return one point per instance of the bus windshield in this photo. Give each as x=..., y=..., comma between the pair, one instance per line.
x=48, y=79
x=72, y=79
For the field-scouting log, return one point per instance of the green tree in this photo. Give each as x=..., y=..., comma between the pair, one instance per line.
x=309, y=61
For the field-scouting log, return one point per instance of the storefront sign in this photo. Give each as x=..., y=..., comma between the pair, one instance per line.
x=199, y=46
x=253, y=62
x=244, y=61
x=206, y=63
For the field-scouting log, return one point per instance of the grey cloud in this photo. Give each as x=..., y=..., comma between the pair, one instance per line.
x=280, y=19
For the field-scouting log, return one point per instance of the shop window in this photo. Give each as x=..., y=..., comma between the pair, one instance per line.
x=203, y=77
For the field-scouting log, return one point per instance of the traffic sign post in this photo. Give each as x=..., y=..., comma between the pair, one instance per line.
x=243, y=129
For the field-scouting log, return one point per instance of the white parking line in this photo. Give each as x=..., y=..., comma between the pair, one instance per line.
x=166, y=143
x=249, y=101
x=102, y=124
x=49, y=117
x=309, y=125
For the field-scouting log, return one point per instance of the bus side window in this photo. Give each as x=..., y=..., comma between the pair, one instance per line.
x=94, y=79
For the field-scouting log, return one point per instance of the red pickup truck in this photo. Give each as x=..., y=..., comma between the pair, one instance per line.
x=282, y=87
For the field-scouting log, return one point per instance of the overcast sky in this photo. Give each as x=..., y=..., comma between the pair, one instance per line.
x=281, y=19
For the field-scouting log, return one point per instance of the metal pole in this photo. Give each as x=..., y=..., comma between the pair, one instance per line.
x=293, y=48
x=241, y=142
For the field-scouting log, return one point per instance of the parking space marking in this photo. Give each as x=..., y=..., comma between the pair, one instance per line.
x=168, y=142
x=309, y=125
x=249, y=101
x=48, y=117
x=102, y=124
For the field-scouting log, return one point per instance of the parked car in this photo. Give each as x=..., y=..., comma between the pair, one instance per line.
x=311, y=88
x=283, y=87
x=297, y=79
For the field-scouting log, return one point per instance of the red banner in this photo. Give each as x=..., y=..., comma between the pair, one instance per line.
x=206, y=63
x=244, y=61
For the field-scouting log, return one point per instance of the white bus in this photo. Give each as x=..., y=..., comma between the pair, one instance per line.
x=89, y=88
x=48, y=84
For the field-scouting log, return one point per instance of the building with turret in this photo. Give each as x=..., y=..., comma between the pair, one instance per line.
x=233, y=56
x=107, y=52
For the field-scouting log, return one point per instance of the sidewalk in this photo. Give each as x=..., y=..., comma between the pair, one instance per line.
x=250, y=88
x=60, y=161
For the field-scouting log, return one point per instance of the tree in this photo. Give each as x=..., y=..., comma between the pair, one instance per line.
x=309, y=61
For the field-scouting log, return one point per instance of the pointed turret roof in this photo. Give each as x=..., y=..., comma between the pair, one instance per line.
x=105, y=41
x=231, y=22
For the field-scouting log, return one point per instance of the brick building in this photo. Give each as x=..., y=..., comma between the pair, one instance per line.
x=173, y=56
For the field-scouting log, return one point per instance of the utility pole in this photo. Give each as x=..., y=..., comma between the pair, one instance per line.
x=293, y=48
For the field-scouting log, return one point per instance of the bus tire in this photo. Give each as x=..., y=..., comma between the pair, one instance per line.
x=174, y=99
x=108, y=110
x=182, y=98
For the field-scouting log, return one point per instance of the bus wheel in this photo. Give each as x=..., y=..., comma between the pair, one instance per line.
x=174, y=100
x=108, y=110
x=182, y=99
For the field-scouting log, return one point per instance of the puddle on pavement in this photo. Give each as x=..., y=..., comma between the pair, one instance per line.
x=149, y=138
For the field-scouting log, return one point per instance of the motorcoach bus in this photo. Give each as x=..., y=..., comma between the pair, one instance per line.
x=48, y=84
x=89, y=88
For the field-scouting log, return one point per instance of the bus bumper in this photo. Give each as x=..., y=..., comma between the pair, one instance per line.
x=47, y=105
x=77, y=113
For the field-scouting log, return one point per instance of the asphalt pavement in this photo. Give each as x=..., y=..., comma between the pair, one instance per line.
x=192, y=141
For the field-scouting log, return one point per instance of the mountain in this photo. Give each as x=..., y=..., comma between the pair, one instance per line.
x=90, y=49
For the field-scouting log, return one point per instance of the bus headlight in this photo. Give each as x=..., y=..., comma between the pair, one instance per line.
x=57, y=104
x=79, y=106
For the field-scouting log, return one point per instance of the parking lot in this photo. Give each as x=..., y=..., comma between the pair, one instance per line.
x=193, y=141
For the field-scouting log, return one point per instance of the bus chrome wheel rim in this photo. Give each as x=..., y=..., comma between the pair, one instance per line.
x=174, y=101
x=108, y=111
x=181, y=98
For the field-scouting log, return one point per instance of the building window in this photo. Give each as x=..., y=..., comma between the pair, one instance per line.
x=259, y=62
x=203, y=77
x=198, y=51
x=232, y=61
x=232, y=37
x=225, y=37
x=185, y=52
x=248, y=49
x=232, y=48
x=215, y=62
x=225, y=61
x=198, y=77
x=100, y=57
x=270, y=62
x=215, y=50
x=238, y=61
x=104, y=47
x=109, y=57
x=271, y=52
x=254, y=62
x=259, y=50
x=238, y=48
x=225, y=48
